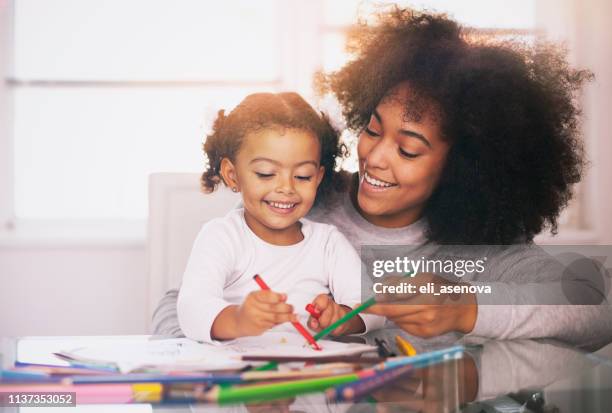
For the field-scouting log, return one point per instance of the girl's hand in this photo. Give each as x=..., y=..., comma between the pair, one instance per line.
x=427, y=315
x=262, y=310
x=330, y=312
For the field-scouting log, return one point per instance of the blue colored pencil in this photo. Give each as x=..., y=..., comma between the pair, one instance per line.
x=24, y=376
x=109, y=367
x=156, y=378
x=446, y=353
x=54, y=369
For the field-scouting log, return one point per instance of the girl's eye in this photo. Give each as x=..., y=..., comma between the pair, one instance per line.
x=408, y=155
x=371, y=132
x=263, y=176
x=304, y=178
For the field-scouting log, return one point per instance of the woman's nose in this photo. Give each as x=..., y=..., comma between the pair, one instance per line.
x=378, y=155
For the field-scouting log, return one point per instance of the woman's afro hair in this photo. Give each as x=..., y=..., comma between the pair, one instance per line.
x=508, y=109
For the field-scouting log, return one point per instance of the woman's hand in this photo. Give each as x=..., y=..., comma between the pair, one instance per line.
x=260, y=311
x=427, y=315
x=330, y=312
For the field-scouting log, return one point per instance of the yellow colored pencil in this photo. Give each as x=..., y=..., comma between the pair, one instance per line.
x=147, y=392
x=405, y=347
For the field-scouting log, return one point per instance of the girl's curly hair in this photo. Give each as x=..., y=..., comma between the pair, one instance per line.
x=268, y=110
x=508, y=109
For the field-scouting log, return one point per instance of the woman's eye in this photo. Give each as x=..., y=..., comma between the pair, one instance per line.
x=304, y=178
x=408, y=155
x=371, y=132
x=263, y=176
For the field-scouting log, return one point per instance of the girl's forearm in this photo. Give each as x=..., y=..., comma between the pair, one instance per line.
x=225, y=326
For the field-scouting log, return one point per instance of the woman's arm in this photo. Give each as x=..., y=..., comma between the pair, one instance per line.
x=165, y=319
x=530, y=298
x=540, y=293
x=586, y=326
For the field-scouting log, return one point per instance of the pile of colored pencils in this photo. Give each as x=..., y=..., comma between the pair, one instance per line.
x=342, y=381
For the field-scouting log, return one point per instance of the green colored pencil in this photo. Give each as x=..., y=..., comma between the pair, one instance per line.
x=268, y=366
x=326, y=331
x=368, y=303
x=282, y=390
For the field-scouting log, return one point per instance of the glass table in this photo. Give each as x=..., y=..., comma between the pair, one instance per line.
x=492, y=376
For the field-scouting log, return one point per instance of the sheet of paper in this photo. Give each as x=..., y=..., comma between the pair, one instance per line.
x=293, y=345
x=191, y=355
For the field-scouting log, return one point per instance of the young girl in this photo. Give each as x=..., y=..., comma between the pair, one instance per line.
x=277, y=152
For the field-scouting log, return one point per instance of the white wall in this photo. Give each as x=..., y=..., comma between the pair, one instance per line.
x=72, y=290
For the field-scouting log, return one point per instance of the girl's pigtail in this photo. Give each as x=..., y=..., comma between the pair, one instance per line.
x=213, y=148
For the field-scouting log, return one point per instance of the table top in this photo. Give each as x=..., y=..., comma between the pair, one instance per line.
x=492, y=376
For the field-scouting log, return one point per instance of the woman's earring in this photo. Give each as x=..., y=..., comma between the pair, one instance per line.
x=234, y=189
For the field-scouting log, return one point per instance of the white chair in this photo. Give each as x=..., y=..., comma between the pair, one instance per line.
x=177, y=210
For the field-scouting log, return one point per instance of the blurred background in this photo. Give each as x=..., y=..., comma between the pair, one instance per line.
x=96, y=95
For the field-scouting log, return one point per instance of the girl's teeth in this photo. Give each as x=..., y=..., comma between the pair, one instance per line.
x=283, y=206
x=376, y=182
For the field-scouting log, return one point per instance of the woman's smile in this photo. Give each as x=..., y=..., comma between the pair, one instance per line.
x=374, y=184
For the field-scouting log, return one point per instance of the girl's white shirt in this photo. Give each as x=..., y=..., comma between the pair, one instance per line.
x=227, y=254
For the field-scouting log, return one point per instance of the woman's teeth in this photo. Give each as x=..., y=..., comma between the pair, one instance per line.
x=281, y=205
x=376, y=182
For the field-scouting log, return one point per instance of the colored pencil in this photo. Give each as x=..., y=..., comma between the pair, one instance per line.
x=280, y=390
x=24, y=376
x=313, y=311
x=323, y=359
x=156, y=378
x=326, y=331
x=271, y=365
x=296, y=374
x=211, y=378
x=89, y=364
x=442, y=354
x=56, y=369
x=358, y=389
x=404, y=346
x=298, y=326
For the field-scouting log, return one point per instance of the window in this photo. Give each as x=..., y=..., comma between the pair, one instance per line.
x=105, y=92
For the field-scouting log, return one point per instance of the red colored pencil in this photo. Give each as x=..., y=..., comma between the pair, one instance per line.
x=313, y=311
x=298, y=326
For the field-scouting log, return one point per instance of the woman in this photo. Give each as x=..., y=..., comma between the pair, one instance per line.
x=461, y=141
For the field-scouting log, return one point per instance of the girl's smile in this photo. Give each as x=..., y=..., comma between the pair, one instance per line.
x=282, y=208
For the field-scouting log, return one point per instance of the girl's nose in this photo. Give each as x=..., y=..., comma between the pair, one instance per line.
x=285, y=185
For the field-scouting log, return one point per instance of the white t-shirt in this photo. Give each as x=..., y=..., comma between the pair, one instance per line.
x=227, y=254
